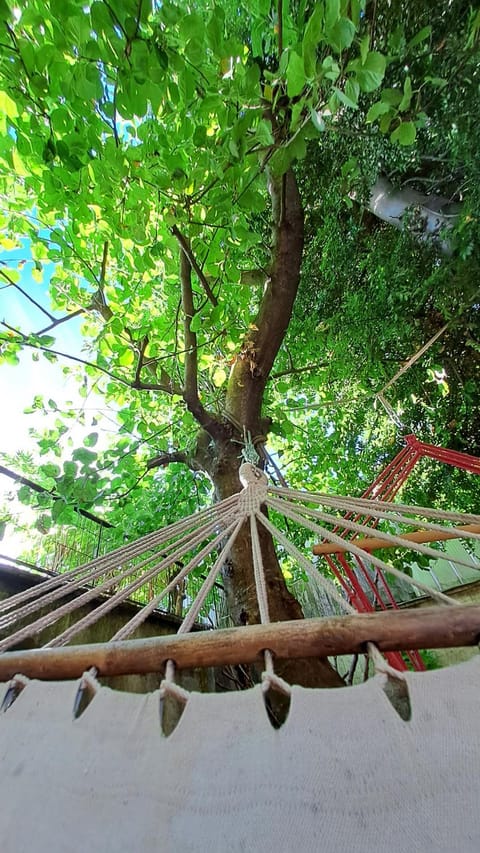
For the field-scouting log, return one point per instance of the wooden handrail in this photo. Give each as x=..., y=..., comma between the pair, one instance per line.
x=374, y=543
x=416, y=628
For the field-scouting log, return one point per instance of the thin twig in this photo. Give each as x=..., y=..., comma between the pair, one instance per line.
x=62, y=320
x=26, y=343
x=140, y=362
x=26, y=295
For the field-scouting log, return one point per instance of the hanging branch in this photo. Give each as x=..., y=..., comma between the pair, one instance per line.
x=187, y=250
x=166, y=384
x=98, y=302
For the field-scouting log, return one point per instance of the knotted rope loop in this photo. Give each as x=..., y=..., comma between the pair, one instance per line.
x=89, y=679
x=15, y=687
x=168, y=686
x=87, y=689
x=271, y=680
x=382, y=667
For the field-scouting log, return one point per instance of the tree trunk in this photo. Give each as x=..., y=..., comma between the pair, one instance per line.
x=219, y=455
x=222, y=463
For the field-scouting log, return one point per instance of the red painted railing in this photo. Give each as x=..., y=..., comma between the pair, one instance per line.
x=348, y=569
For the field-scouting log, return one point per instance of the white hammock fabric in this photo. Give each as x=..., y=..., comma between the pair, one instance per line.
x=343, y=774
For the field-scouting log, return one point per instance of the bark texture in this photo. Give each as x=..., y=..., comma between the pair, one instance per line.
x=218, y=449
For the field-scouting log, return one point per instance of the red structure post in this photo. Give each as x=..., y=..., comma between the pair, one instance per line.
x=385, y=487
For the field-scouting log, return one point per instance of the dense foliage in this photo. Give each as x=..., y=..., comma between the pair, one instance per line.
x=140, y=136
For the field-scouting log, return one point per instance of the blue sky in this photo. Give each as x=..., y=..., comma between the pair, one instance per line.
x=19, y=384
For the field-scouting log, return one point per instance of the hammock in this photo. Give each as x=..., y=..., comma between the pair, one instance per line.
x=346, y=771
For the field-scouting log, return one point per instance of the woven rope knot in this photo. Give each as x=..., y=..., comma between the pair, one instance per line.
x=255, y=486
x=169, y=688
x=271, y=680
x=89, y=680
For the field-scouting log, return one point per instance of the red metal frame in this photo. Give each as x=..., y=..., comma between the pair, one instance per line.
x=385, y=487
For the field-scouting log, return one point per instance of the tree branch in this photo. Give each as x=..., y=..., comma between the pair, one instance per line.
x=103, y=270
x=164, y=459
x=191, y=362
x=190, y=392
x=25, y=342
x=62, y=320
x=187, y=250
x=166, y=384
x=26, y=295
x=265, y=336
x=140, y=362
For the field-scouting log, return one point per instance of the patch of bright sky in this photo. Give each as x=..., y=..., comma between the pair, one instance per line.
x=19, y=384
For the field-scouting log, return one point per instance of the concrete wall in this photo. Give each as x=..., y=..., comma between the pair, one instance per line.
x=14, y=580
x=465, y=594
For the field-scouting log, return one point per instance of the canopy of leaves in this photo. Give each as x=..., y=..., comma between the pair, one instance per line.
x=135, y=131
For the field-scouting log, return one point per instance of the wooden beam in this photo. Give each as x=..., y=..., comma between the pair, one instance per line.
x=371, y=543
x=416, y=628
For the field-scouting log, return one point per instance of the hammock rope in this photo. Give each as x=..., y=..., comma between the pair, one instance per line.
x=210, y=534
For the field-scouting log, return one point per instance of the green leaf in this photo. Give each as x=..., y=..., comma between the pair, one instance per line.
x=423, y=34
x=91, y=439
x=332, y=13
x=357, y=7
x=370, y=73
x=8, y=107
x=343, y=97
x=281, y=161
x=377, y=110
x=196, y=323
x=126, y=357
x=352, y=91
x=50, y=470
x=391, y=97
x=215, y=30
x=364, y=47
x=219, y=376
x=295, y=75
x=317, y=121
x=86, y=457
x=264, y=133
x=405, y=133
x=330, y=68
x=341, y=35
x=407, y=95
x=311, y=38
x=57, y=509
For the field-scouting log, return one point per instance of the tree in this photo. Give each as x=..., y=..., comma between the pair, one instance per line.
x=148, y=156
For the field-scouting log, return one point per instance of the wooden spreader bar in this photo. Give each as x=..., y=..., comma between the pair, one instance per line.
x=372, y=543
x=418, y=628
